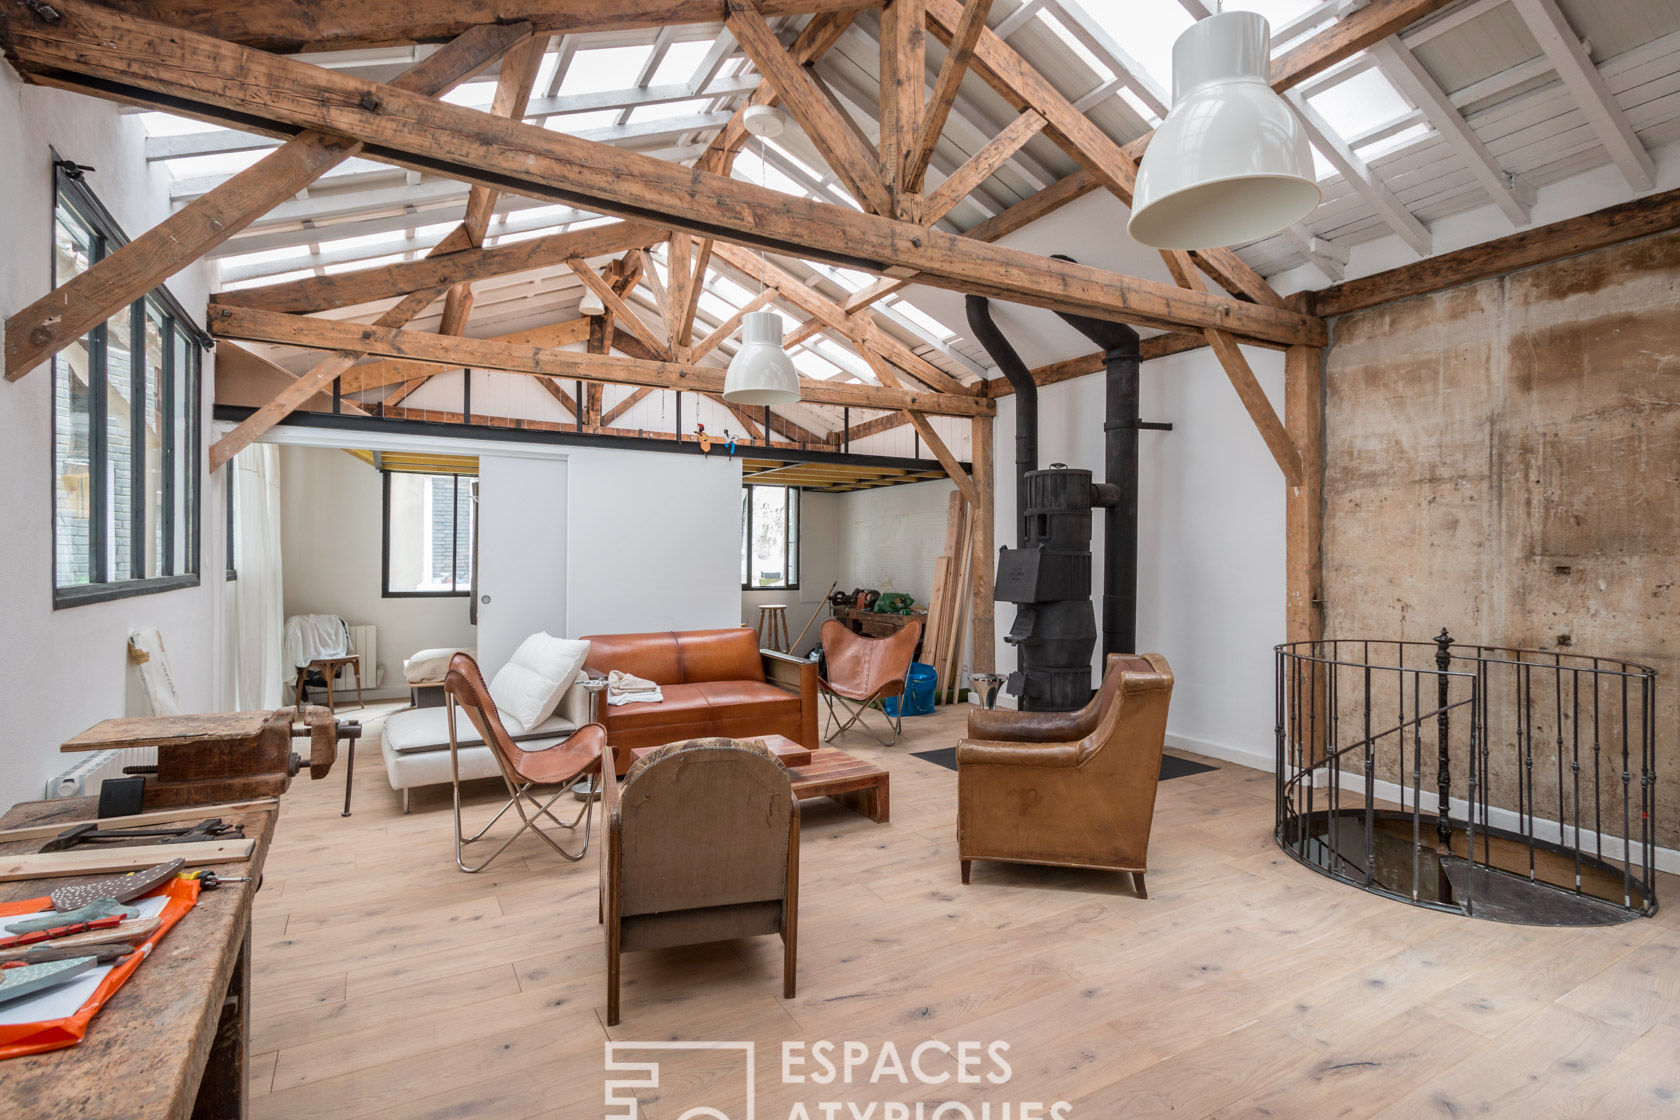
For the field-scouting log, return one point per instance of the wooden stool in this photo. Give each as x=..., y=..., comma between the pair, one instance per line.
x=328, y=667
x=772, y=617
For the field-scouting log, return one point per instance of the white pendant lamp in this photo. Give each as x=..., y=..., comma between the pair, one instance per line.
x=1231, y=163
x=591, y=303
x=761, y=371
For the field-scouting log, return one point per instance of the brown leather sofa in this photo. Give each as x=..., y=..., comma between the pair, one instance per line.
x=716, y=683
x=1068, y=789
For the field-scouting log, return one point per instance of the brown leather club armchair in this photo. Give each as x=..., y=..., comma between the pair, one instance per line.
x=702, y=845
x=1068, y=789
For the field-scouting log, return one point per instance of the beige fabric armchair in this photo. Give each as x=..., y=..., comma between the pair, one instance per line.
x=1068, y=789
x=702, y=845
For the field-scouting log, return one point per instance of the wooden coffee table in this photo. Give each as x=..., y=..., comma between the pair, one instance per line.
x=859, y=785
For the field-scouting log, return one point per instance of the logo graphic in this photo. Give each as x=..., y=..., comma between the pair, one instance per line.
x=644, y=1074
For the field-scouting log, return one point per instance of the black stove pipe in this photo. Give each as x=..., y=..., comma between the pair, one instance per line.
x=1119, y=494
x=1026, y=401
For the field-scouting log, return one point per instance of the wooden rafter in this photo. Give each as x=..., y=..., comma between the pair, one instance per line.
x=323, y=334
x=729, y=326
x=186, y=68
x=369, y=285
x=903, y=76
x=621, y=311
x=52, y=322
x=1242, y=378
x=811, y=106
x=626, y=405
x=982, y=165
x=301, y=25
x=959, y=50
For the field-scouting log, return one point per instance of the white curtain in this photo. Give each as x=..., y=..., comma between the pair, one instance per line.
x=256, y=612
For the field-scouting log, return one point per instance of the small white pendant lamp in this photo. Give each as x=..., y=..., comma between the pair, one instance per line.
x=1231, y=163
x=761, y=373
x=591, y=303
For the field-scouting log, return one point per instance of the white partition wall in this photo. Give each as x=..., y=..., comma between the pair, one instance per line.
x=522, y=544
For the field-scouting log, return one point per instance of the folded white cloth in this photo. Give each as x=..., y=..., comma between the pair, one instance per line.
x=627, y=688
x=309, y=636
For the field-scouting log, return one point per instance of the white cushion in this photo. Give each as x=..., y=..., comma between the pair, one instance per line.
x=429, y=666
x=528, y=688
x=427, y=729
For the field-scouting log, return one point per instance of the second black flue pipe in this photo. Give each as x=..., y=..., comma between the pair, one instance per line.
x=1119, y=492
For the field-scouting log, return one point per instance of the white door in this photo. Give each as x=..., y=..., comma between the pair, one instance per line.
x=521, y=554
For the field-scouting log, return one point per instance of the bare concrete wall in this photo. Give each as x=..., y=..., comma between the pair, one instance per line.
x=1503, y=459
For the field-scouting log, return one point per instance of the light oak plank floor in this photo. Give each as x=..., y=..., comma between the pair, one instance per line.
x=388, y=984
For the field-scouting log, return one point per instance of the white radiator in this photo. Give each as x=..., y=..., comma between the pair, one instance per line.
x=364, y=643
x=89, y=770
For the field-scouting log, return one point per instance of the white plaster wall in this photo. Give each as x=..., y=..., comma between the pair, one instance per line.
x=891, y=537
x=655, y=541
x=68, y=669
x=332, y=519
x=1211, y=539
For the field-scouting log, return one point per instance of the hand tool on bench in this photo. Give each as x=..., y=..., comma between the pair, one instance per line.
x=210, y=881
x=40, y=954
x=98, y=908
x=222, y=756
x=18, y=940
x=76, y=835
x=15, y=983
x=121, y=888
x=123, y=935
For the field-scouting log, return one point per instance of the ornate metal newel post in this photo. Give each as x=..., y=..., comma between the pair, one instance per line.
x=1443, y=774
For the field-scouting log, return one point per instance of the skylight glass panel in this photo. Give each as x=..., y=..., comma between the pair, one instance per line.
x=1402, y=139
x=726, y=288
x=843, y=358
x=680, y=62
x=168, y=124
x=749, y=169
x=1277, y=12
x=1146, y=31
x=813, y=365
x=266, y=256
x=475, y=95
x=1361, y=103
x=575, y=124
x=1135, y=103
x=604, y=69
x=922, y=319
x=300, y=274
x=353, y=266
x=220, y=163
x=670, y=110
x=716, y=307
x=1073, y=44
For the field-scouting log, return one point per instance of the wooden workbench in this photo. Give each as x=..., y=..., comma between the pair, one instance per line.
x=172, y=1041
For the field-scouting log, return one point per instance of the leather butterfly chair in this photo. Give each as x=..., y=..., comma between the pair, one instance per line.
x=1068, y=789
x=702, y=845
x=563, y=765
x=859, y=672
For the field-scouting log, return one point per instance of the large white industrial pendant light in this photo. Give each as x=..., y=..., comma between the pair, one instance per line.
x=761, y=373
x=1231, y=163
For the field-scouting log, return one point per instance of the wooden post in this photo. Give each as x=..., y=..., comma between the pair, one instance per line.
x=1303, y=409
x=980, y=525
x=1303, y=406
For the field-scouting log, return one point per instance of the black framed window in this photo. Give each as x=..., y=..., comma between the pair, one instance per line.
x=769, y=537
x=125, y=417
x=429, y=529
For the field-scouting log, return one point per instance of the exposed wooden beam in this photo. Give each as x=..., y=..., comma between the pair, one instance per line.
x=126, y=273
x=380, y=372
x=1613, y=225
x=318, y=378
x=302, y=25
x=981, y=166
x=811, y=107
x=683, y=339
x=324, y=334
x=1024, y=87
x=903, y=74
x=957, y=55
x=729, y=326
x=1303, y=413
x=1550, y=28
x=1352, y=33
x=369, y=285
x=621, y=310
x=183, y=68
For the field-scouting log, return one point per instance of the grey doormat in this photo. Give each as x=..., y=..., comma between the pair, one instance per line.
x=1171, y=766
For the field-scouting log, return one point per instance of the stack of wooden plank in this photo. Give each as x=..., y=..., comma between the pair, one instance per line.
x=948, y=606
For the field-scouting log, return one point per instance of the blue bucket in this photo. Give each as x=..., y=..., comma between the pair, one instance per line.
x=919, y=692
